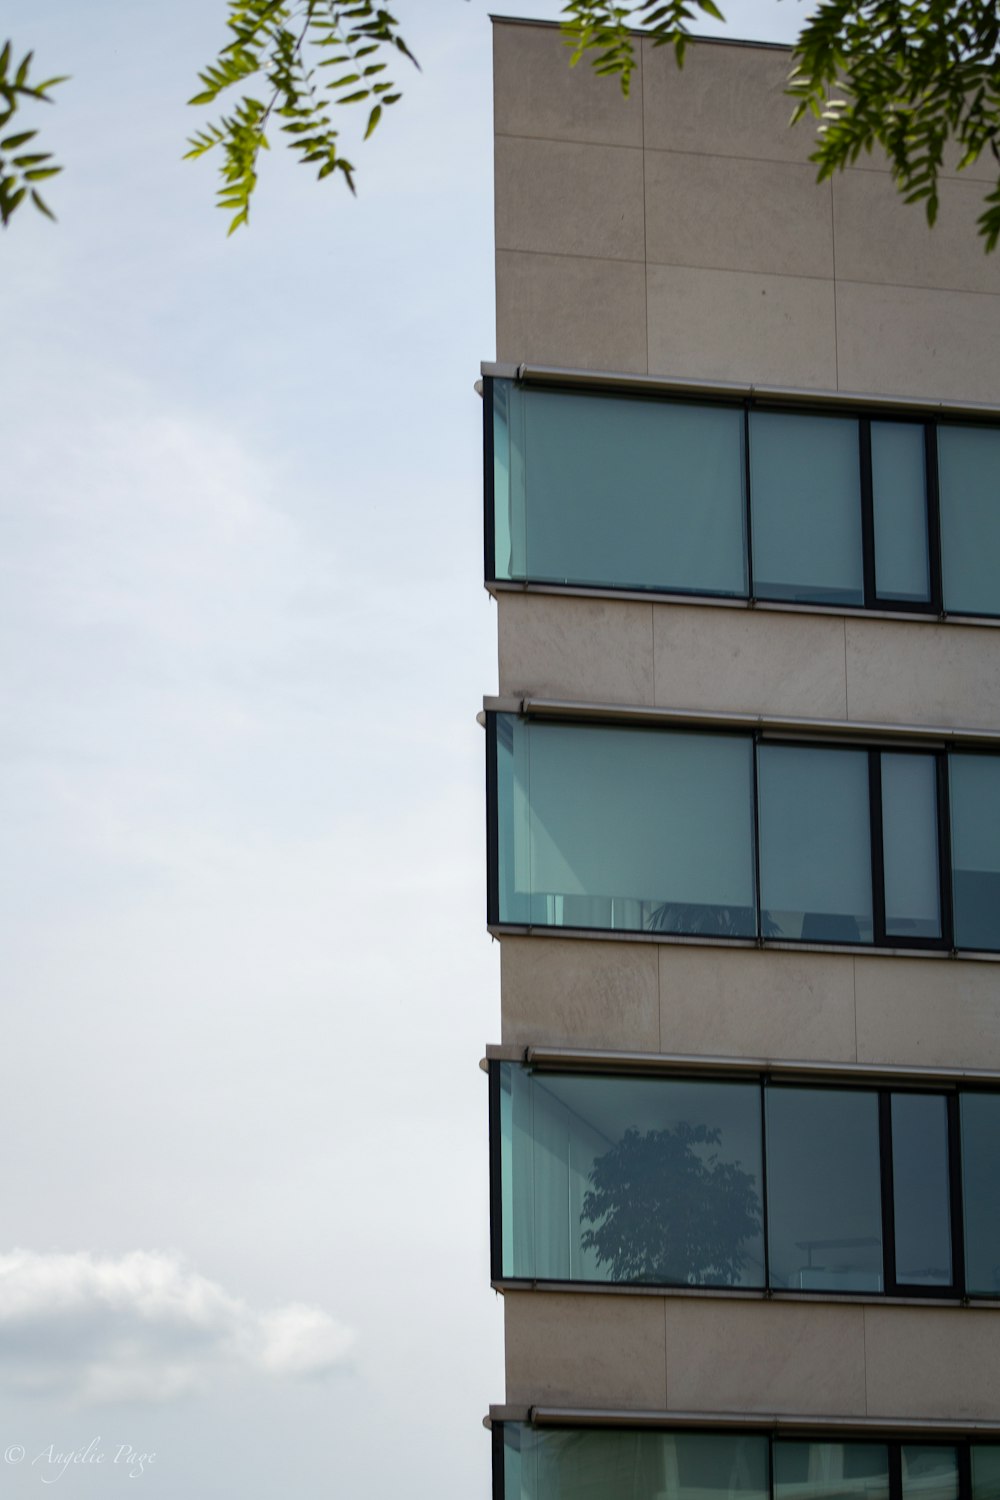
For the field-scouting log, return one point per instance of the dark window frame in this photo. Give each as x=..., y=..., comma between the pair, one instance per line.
x=883, y=1091
x=864, y=416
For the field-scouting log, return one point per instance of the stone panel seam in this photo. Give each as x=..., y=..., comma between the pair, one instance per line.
x=919, y=286
x=681, y=265
x=833, y=250
x=599, y=260
x=767, y=161
x=947, y=176
x=864, y=1354
x=560, y=140
x=772, y=161
x=645, y=234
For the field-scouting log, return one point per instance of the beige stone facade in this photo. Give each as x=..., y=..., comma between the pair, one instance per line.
x=680, y=235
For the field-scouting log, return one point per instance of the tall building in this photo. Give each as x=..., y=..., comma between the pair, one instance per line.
x=743, y=534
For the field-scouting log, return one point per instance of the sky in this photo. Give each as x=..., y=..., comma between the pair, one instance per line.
x=246, y=980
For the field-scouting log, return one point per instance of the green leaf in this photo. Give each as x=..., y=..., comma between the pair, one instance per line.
x=40, y=203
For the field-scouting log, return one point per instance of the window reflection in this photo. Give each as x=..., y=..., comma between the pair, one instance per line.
x=588, y=1463
x=831, y=1471
x=920, y=1189
x=595, y=1464
x=929, y=1471
x=975, y=849
x=824, y=1206
x=899, y=502
x=805, y=496
x=628, y=829
x=815, y=844
x=969, y=469
x=980, y=1134
x=624, y=1179
x=593, y=489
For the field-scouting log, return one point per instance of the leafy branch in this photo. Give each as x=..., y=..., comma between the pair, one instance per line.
x=21, y=166
x=285, y=43
x=909, y=76
x=608, y=29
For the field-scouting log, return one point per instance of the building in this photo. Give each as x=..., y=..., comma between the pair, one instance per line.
x=743, y=534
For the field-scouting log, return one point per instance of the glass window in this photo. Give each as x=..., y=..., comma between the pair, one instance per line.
x=985, y=1471
x=625, y=829
x=815, y=844
x=599, y=489
x=831, y=1471
x=631, y=1179
x=975, y=849
x=980, y=1133
x=899, y=500
x=824, y=1194
x=910, y=846
x=805, y=501
x=969, y=480
x=920, y=1189
x=929, y=1471
x=601, y=1464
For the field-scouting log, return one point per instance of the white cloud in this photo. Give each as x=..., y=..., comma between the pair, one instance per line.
x=145, y=1327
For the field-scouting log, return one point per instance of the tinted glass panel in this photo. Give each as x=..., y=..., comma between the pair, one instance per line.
x=930, y=1471
x=627, y=829
x=815, y=844
x=899, y=498
x=591, y=1464
x=824, y=1194
x=985, y=1472
x=980, y=1132
x=632, y=1179
x=831, y=1471
x=609, y=490
x=920, y=1189
x=910, y=846
x=969, y=470
x=975, y=849
x=805, y=497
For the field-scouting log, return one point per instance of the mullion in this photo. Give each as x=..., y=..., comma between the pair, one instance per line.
x=933, y=518
x=496, y=1175
x=895, y=1455
x=867, y=511
x=956, y=1196
x=879, y=937
x=493, y=834
x=964, y=1456
x=489, y=483
x=747, y=500
x=499, y=1475
x=888, y=1197
x=765, y=1206
x=944, y=852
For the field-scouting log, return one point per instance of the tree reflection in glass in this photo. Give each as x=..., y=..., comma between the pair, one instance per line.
x=608, y=1178
x=666, y=1211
